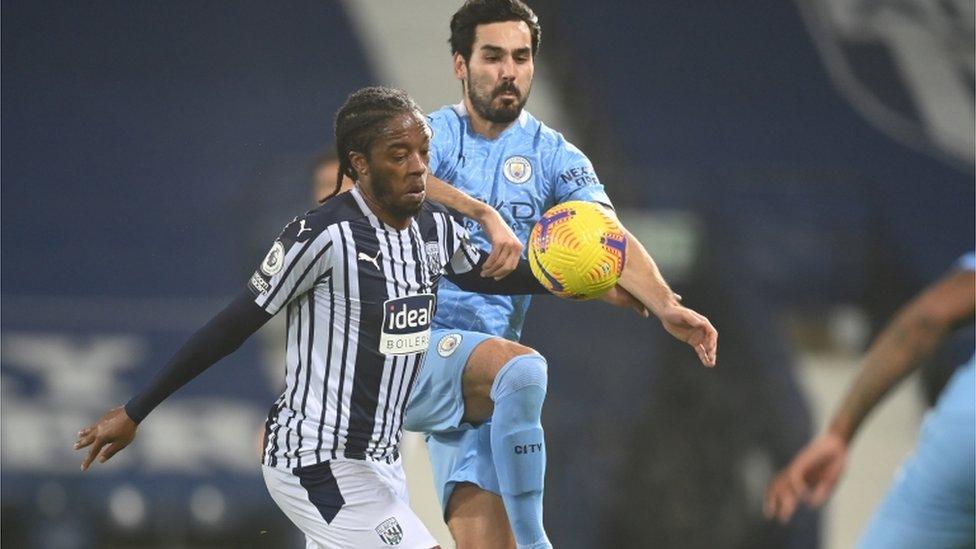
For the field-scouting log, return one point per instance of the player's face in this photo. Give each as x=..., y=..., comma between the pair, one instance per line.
x=397, y=165
x=498, y=77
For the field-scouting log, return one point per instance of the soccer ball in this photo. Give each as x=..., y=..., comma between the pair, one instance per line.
x=577, y=250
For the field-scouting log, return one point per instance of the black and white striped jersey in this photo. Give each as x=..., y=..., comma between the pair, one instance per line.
x=359, y=297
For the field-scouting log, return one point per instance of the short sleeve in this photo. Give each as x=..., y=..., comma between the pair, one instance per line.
x=574, y=176
x=298, y=259
x=444, y=144
x=464, y=255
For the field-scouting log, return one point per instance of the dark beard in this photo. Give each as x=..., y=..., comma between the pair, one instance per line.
x=383, y=193
x=501, y=115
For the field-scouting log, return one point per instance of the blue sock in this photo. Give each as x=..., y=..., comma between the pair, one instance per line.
x=518, y=447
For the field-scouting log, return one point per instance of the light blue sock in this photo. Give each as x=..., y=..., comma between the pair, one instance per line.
x=518, y=447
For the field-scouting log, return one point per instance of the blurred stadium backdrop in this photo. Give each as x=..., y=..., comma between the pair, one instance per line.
x=798, y=169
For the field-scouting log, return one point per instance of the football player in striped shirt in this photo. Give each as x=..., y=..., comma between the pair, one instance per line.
x=357, y=280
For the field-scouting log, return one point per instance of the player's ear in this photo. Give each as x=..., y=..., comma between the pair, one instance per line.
x=359, y=163
x=460, y=67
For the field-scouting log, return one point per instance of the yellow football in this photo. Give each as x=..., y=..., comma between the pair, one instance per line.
x=577, y=250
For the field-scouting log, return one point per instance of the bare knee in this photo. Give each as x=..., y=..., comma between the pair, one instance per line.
x=483, y=366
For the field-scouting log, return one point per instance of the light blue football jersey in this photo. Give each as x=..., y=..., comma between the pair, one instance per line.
x=525, y=171
x=960, y=391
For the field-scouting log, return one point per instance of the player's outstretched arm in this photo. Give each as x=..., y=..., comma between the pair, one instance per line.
x=217, y=339
x=520, y=281
x=506, y=248
x=911, y=336
x=643, y=280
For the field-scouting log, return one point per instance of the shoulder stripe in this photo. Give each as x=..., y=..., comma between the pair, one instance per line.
x=283, y=277
x=308, y=268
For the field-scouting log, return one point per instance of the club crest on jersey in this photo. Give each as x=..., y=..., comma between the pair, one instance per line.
x=434, y=264
x=274, y=260
x=448, y=344
x=390, y=531
x=406, y=324
x=517, y=169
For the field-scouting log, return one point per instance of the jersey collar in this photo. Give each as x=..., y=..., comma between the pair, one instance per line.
x=368, y=213
x=521, y=122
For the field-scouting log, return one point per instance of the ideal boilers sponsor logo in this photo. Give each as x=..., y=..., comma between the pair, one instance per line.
x=406, y=324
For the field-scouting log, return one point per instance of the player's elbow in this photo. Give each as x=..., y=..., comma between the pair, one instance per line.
x=927, y=322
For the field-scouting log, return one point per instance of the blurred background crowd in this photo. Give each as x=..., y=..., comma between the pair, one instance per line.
x=798, y=169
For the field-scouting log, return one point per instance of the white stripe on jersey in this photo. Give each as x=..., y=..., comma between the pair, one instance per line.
x=392, y=361
x=347, y=368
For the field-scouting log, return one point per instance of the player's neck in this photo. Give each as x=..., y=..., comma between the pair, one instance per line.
x=482, y=127
x=397, y=222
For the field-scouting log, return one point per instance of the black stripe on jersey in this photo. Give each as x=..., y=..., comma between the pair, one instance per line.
x=305, y=272
x=394, y=410
x=386, y=403
x=268, y=426
x=428, y=274
x=277, y=427
x=345, y=339
x=322, y=277
x=449, y=238
x=403, y=260
x=392, y=284
x=298, y=372
x=328, y=368
x=308, y=363
x=461, y=244
x=368, y=375
x=420, y=256
x=395, y=426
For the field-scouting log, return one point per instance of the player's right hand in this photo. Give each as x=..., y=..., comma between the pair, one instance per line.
x=810, y=478
x=692, y=328
x=114, y=431
x=506, y=248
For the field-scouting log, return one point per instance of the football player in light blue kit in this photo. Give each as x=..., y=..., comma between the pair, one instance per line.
x=480, y=393
x=932, y=502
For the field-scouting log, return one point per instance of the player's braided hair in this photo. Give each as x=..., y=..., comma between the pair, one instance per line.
x=360, y=121
x=481, y=12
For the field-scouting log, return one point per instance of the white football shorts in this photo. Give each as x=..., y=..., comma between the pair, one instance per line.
x=349, y=503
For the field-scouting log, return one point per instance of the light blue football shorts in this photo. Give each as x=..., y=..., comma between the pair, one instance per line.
x=458, y=451
x=931, y=502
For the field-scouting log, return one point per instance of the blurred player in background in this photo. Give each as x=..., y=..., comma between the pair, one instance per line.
x=357, y=279
x=480, y=394
x=325, y=174
x=931, y=503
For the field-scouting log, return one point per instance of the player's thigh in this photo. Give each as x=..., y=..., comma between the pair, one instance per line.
x=479, y=374
x=477, y=518
x=346, y=504
x=436, y=400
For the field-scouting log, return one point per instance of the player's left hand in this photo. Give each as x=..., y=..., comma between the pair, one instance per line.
x=810, y=478
x=506, y=248
x=619, y=297
x=113, y=432
x=694, y=329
